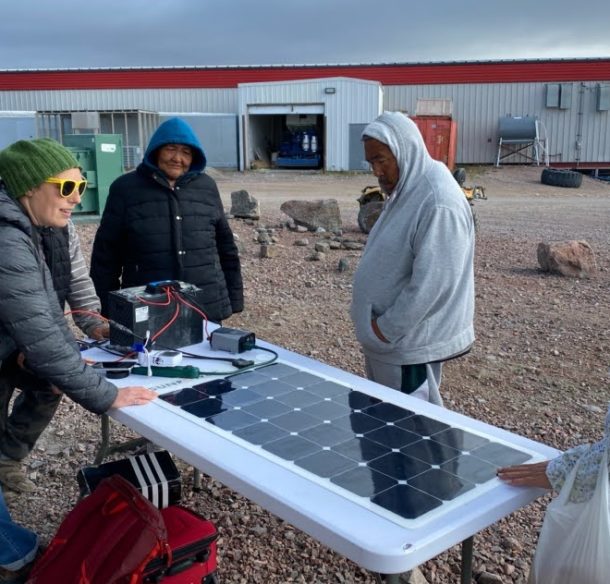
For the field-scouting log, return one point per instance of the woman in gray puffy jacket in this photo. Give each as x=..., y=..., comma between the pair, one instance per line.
x=43, y=184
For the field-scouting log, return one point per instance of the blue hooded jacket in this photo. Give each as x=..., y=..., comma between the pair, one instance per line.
x=175, y=131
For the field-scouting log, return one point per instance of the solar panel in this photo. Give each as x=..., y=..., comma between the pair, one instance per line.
x=403, y=465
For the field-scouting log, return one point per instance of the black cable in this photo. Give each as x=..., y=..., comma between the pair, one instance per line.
x=232, y=360
x=238, y=370
x=275, y=355
x=107, y=349
x=124, y=329
x=194, y=302
x=195, y=356
x=235, y=361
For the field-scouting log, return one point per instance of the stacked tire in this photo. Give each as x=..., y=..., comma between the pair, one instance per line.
x=556, y=177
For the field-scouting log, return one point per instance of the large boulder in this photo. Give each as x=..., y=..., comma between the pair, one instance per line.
x=322, y=213
x=368, y=215
x=571, y=258
x=244, y=206
x=370, y=194
x=371, y=203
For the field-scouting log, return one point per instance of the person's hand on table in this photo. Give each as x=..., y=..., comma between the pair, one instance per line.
x=526, y=475
x=133, y=396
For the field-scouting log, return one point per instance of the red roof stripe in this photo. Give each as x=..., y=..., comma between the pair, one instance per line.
x=228, y=77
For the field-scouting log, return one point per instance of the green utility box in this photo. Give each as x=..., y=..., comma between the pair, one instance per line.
x=100, y=157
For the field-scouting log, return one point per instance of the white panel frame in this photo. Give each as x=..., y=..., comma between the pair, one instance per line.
x=369, y=539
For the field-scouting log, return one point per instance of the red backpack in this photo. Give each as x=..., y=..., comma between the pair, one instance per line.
x=107, y=538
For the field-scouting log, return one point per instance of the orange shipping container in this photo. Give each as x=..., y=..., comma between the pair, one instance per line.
x=440, y=137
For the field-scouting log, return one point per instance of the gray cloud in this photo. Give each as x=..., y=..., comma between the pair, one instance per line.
x=136, y=33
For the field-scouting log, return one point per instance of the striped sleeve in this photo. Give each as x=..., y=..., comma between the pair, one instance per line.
x=81, y=295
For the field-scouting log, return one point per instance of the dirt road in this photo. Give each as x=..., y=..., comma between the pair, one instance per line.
x=518, y=203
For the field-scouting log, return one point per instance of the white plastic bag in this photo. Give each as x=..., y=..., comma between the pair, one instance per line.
x=574, y=544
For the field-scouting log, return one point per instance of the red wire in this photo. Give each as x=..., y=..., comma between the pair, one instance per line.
x=171, y=321
x=170, y=296
x=166, y=303
x=197, y=310
x=88, y=312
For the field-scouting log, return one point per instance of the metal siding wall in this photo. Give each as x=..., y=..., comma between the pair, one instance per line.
x=357, y=160
x=353, y=103
x=477, y=109
x=13, y=128
x=360, y=104
x=186, y=100
x=217, y=134
x=528, y=71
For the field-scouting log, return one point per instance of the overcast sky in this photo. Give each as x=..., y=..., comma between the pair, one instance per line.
x=50, y=34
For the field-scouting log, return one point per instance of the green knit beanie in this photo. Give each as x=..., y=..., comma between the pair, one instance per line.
x=26, y=164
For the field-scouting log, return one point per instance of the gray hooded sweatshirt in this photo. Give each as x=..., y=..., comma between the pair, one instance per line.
x=416, y=274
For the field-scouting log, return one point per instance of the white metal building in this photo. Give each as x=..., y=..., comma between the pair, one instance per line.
x=569, y=99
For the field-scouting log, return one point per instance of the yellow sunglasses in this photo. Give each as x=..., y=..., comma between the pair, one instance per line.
x=68, y=187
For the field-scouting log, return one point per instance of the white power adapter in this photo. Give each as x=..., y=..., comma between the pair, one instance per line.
x=160, y=358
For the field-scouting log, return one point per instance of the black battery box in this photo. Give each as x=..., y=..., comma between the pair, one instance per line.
x=135, y=311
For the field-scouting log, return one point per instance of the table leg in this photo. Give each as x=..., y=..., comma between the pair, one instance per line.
x=466, y=575
x=196, y=479
x=467, y=545
x=105, y=448
x=387, y=578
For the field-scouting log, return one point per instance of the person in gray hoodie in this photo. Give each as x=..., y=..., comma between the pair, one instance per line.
x=413, y=291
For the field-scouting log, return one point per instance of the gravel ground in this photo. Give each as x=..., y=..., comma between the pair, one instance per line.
x=539, y=367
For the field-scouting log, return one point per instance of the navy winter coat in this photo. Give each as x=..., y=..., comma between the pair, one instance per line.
x=150, y=231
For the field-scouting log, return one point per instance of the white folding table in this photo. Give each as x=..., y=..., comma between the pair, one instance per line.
x=371, y=536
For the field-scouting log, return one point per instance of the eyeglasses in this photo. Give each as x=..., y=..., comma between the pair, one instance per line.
x=68, y=187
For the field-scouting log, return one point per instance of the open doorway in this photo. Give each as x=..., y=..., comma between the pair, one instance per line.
x=301, y=142
x=285, y=140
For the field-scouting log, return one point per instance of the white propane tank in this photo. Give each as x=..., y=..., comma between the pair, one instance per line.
x=314, y=144
x=305, y=143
